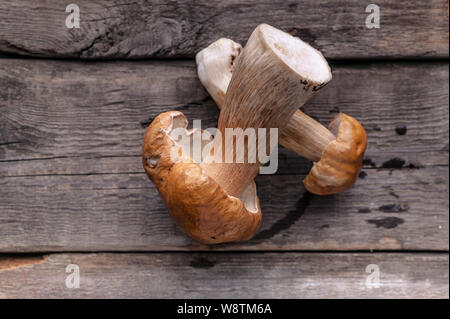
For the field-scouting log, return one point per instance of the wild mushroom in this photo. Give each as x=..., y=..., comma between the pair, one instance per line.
x=214, y=201
x=337, y=151
x=199, y=206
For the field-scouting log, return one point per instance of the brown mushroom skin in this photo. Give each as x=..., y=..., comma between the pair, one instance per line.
x=341, y=160
x=199, y=206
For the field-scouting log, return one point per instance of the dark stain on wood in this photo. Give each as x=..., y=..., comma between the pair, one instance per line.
x=394, y=208
x=394, y=194
x=288, y=220
x=388, y=222
x=368, y=162
x=147, y=122
x=395, y=163
x=362, y=175
x=335, y=110
x=401, y=129
x=202, y=263
x=372, y=127
x=364, y=210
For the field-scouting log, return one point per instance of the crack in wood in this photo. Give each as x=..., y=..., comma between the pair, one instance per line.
x=11, y=262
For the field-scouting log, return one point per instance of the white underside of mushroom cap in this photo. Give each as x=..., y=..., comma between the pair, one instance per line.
x=215, y=65
x=182, y=137
x=249, y=198
x=302, y=58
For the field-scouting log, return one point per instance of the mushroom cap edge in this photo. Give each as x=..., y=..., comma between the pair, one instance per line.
x=341, y=160
x=199, y=206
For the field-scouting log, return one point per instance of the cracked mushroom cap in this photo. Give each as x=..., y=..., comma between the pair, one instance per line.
x=199, y=206
x=341, y=160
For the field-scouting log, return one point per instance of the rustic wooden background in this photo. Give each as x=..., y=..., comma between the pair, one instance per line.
x=75, y=103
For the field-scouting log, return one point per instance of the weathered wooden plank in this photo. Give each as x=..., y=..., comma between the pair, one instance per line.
x=70, y=136
x=385, y=210
x=227, y=275
x=157, y=28
x=76, y=118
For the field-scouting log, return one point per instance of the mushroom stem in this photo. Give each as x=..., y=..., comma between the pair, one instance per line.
x=306, y=136
x=275, y=75
x=302, y=134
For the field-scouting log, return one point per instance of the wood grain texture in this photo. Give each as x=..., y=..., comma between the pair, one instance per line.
x=85, y=118
x=157, y=28
x=387, y=210
x=71, y=176
x=230, y=275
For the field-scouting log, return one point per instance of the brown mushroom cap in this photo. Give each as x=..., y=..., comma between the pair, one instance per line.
x=199, y=206
x=341, y=160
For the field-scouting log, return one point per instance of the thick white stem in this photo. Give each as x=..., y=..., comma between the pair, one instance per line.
x=274, y=75
x=302, y=134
